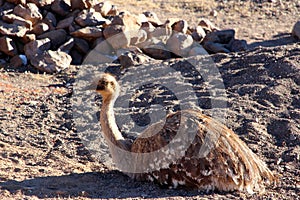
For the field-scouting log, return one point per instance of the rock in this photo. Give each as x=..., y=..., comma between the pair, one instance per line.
x=57, y=37
x=23, y=2
x=95, y=58
x=116, y=37
x=113, y=11
x=222, y=36
x=129, y=21
x=90, y=18
x=67, y=46
x=50, y=19
x=36, y=47
x=14, y=19
x=148, y=27
x=14, y=30
x=40, y=28
x=16, y=61
x=180, y=44
x=104, y=8
x=88, y=33
x=207, y=25
x=79, y=4
x=77, y=57
x=31, y=12
x=131, y=58
x=296, y=30
x=215, y=47
x=180, y=26
x=238, y=45
x=152, y=18
x=197, y=50
x=101, y=45
x=65, y=23
x=198, y=34
x=41, y=3
x=81, y=45
x=61, y=7
x=28, y=38
x=140, y=37
x=8, y=46
x=51, y=61
x=156, y=49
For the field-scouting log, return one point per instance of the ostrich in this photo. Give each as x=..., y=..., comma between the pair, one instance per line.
x=230, y=165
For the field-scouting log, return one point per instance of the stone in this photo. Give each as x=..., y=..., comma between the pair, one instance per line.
x=79, y=4
x=40, y=28
x=104, y=8
x=81, y=45
x=129, y=21
x=96, y=58
x=61, y=7
x=50, y=19
x=180, y=44
x=8, y=46
x=197, y=50
x=296, y=30
x=180, y=26
x=41, y=3
x=198, y=34
x=90, y=18
x=51, y=61
x=57, y=37
x=36, y=47
x=14, y=30
x=101, y=45
x=152, y=18
x=156, y=49
x=30, y=12
x=222, y=36
x=14, y=19
x=88, y=33
x=215, y=47
x=65, y=23
x=23, y=2
x=131, y=58
x=116, y=37
x=138, y=38
x=28, y=38
x=77, y=57
x=16, y=61
x=67, y=46
x=207, y=25
x=113, y=11
x=238, y=45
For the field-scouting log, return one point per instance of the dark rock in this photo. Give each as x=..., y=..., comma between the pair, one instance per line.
x=57, y=37
x=61, y=7
x=8, y=46
x=88, y=33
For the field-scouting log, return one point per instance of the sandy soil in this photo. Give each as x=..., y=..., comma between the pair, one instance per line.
x=42, y=156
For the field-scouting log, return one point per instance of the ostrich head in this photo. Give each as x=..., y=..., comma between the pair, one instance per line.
x=108, y=86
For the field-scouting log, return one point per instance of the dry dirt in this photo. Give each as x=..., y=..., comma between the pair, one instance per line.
x=42, y=156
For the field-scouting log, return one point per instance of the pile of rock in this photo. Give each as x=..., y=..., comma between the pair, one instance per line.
x=52, y=34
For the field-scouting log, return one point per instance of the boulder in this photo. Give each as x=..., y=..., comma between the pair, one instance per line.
x=296, y=30
x=101, y=45
x=8, y=46
x=16, y=61
x=79, y=4
x=88, y=33
x=81, y=45
x=104, y=8
x=14, y=30
x=129, y=21
x=198, y=34
x=155, y=49
x=222, y=36
x=116, y=37
x=67, y=46
x=14, y=19
x=180, y=44
x=51, y=61
x=77, y=57
x=57, y=37
x=28, y=38
x=90, y=18
x=197, y=50
x=36, y=47
x=215, y=47
x=180, y=26
x=50, y=19
x=152, y=18
x=61, y=7
x=65, y=23
x=40, y=28
x=30, y=12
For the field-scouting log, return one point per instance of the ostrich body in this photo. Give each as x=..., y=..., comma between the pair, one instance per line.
x=230, y=165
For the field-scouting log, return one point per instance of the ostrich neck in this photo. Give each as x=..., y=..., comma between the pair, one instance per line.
x=108, y=123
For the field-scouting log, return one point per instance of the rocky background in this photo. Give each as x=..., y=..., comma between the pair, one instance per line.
x=255, y=45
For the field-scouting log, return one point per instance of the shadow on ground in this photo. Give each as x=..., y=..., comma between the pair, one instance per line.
x=278, y=40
